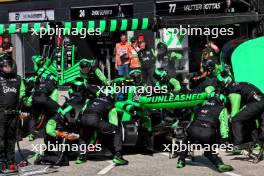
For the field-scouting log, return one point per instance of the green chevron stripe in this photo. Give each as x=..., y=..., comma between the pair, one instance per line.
x=145, y=23
x=24, y=28
x=91, y=25
x=102, y=25
x=67, y=28
x=113, y=25
x=2, y=28
x=79, y=25
x=37, y=27
x=134, y=24
x=123, y=25
x=12, y=28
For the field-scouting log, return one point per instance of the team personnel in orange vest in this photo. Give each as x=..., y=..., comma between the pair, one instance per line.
x=134, y=60
x=123, y=51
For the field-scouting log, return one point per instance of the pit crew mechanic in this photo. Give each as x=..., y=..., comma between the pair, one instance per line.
x=12, y=90
x=204, y=128
x=45, y=95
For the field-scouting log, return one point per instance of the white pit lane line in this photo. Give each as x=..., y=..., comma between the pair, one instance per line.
x=196, y=163
x=107, y=168
x=232, y=174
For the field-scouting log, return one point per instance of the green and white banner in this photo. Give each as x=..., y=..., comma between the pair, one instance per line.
x=110, y=25
x=173, y=39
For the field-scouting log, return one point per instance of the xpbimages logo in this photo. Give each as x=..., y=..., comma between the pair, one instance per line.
x=205, y=31
x=182, y=147
x=81, y=148
x=136, y=90
x=82, y=32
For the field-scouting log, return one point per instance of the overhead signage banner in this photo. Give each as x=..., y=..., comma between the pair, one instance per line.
x=99, y=12
x=196, y=7
x=36, y=15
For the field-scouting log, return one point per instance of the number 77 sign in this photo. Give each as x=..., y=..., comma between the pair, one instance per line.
x=172, y=8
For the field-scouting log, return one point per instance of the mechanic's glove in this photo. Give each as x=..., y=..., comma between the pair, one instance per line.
x=27, y=101
x=196, y=77
x=62, y=134
x=71, y=137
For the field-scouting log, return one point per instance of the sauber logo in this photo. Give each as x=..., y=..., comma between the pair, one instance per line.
x=9, y=89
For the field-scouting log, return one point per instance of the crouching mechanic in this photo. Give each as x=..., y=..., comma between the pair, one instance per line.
x=96, y=115
x=244, y=122
x=12, y=90
x=82, y=86
x=164, y=81
x=60, y=130
x=45, y=95
x=209, y=120
x=90, y=72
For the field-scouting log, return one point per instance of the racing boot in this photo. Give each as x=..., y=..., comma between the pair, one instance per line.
x=31, y=137
x=180, y=164
x=224, y=167
x=217, y=161
x=11, y=168
x=80, y=159
x=37, y=159
x=3, y=166
x=119, y=160
x=256, y=147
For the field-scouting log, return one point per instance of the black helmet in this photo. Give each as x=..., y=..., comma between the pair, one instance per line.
x=209, y=64
x=162, y=48
x=136, y=75
x=207, y=52
x=5, y=59
x=161, y=45
x=133, y=39
x=86, y=66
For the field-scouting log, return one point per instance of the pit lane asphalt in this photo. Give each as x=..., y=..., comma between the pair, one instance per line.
x=146, y=165
x=158, y=164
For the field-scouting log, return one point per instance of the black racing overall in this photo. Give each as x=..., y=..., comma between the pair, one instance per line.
x=244, y=122
x=9, y=98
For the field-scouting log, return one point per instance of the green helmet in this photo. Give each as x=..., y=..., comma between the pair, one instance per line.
x=213, y=94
